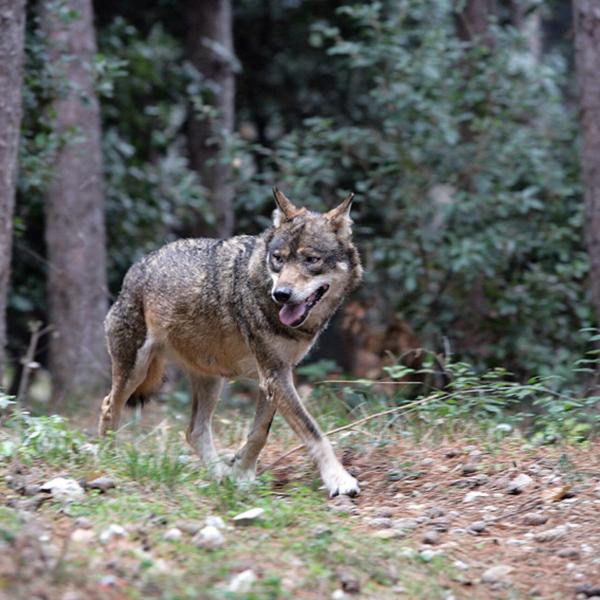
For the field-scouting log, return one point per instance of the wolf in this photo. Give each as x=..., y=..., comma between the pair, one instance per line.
x=248, y=306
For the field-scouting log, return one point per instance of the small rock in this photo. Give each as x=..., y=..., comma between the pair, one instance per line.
x=459, y=564
x=242, y=583
x=82, y=536
x=63, y=489
x=568, y=553
x=588, y=590
x=451, y=453
x=469, y=469
x=101, y=483
x=173, y=535
x=428, y=555
x=339, y=595
x=434, y=512
x=440, y=525
x=83, y=523
x=427, y=462
x=431, y=537
x=31, y=489
x=405, y=524
x=497, y=574
x=549, y=535
x=519, y=484
x=248, y=517
x=379, y=523
x=477, y=527
x=215, y=521
x=383, y=512
x=189, y=527
x=342, y=505
x=112, y=531
x=109, y=581
x=209, y=537
x=388, y=534
x=535, y=518
x=470, y=496
x=350, y=583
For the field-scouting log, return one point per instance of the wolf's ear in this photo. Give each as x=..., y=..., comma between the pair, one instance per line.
x=339, y=217
x=285, y=210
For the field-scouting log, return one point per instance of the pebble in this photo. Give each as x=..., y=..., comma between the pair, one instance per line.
x=434, y=512
x=380, y=523
x=342, y=505
x=384, y=512
x=101, y=483
x=568, y=553
x=350, y=583
x=428, y=555
x=388, y=534
x=477, y=527
x=242, y=582
x=82, y=536
x=173, y=535
x=519, y=484
x=549, y=535
x=427, y=462
x=189, y=527
x=405, y=524
x=497, y=574
x=64, y=489
x=470, y=496
x=112, y=531
x=469, y=469
x=431, y=537
x=535, y=518
x=339, y=595
x=208, y=537
x=248, y=517
x=83, y=523
x=215, y=521
x=451, y=453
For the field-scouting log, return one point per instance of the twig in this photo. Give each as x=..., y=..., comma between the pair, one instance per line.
x=28, y=360
x=352, y=425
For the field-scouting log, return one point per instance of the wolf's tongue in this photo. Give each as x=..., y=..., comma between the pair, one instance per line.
x=290, y=313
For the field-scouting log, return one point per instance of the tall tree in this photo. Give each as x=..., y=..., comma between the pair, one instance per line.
x=586, y=19
x=472, y=19
x=75, y=231
x=12, y=28
x=209, y=42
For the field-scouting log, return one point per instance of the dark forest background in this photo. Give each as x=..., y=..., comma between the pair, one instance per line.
x=456, y=123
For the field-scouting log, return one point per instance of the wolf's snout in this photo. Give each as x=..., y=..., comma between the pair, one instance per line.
x=282, y=294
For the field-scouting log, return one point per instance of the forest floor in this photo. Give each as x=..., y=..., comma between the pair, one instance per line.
x=449, y=516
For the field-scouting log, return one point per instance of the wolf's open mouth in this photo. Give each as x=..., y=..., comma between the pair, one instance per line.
x=293, y=315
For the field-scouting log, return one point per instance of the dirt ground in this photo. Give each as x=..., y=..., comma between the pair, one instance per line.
x=506, y=520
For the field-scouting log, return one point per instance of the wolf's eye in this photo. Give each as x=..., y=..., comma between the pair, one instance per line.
x=312, y=260
x=276, y=259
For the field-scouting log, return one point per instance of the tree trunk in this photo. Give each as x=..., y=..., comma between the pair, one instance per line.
x=75, y=233
x=586, y=19
x=12, y=28
x=210, y=49
x=472, y=20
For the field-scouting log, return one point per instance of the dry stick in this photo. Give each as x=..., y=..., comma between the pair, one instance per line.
x=352, y=425
x=27, y=360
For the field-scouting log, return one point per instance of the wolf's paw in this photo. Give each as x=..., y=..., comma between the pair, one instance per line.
x=241, y=474
x=219, y=470
x=340, y=482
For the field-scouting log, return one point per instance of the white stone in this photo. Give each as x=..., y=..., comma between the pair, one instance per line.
x=215, y=521
x=113, y=531
x=173, y=535
x=82, y=536
x=209, y=537
x=242, y=582
x=496, y=574
x=470, y=496
x=248, y=517
x=64, y=489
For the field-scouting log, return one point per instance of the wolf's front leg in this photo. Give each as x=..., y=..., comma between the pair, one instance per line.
x=278, y=387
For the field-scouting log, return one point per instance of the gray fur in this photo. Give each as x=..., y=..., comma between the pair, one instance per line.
x=208, y=305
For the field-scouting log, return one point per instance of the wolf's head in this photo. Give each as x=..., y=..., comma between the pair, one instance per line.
x=311, y=260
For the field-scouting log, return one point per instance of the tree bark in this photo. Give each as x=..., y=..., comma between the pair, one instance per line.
x=12, y=28
x=586, y=19
x=209, y=44
x=472, y=20
x=75, y=231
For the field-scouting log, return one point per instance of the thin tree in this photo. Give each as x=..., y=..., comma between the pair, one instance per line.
x=75, y=231
x=209, y=44
x=12, y=33
x=586, y=20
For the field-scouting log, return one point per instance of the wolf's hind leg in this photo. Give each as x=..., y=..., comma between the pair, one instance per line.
x=205, y=395
x=125, y=380
x=244, y=463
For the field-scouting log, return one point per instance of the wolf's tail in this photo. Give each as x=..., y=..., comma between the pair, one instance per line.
x=150, y=385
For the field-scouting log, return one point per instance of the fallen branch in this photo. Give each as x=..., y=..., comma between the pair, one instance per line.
x=389, y=411
x=28, y=360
